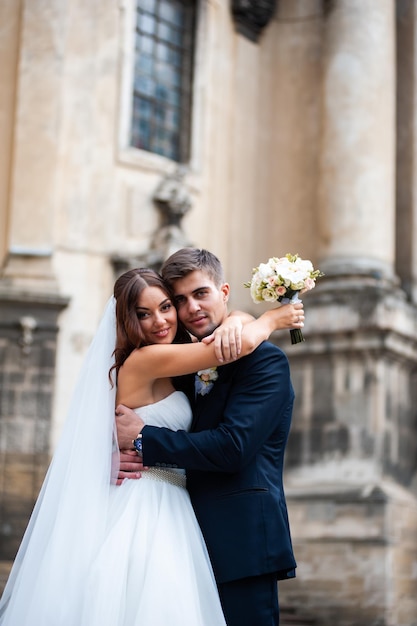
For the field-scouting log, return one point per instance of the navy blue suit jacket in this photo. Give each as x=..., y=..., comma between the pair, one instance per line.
x=234, y=459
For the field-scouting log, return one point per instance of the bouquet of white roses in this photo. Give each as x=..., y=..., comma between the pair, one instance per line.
x=280, y=280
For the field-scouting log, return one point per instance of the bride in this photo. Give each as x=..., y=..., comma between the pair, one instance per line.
x=97, y=554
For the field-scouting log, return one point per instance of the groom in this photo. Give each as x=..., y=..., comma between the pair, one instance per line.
x=235, y=453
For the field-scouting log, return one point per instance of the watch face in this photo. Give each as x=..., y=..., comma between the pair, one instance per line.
x=137, y=443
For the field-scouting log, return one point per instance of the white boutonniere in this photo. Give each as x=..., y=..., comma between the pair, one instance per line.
x=204, y=380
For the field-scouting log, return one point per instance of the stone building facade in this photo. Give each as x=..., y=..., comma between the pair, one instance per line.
x=302, y=138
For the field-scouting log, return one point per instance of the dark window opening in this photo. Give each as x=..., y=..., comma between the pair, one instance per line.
x=162, y=90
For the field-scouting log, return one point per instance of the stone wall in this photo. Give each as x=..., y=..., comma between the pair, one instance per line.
x=356, y=552
x=28, y=335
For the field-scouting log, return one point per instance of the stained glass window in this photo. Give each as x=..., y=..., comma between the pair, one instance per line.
x=162, y=89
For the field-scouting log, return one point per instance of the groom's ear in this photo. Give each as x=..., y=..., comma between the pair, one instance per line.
x=225, y=289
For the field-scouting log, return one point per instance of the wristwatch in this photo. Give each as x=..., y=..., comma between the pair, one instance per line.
x=137, y=444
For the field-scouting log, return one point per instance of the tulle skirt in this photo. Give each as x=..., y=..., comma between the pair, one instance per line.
x=151, y=569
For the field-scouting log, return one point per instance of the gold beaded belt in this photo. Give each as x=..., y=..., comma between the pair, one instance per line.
x=165, y=476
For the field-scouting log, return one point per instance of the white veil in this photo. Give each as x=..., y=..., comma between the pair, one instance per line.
x=68, y=522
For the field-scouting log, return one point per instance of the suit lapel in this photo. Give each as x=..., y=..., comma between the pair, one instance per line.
x=209, y=400
x=197, y=408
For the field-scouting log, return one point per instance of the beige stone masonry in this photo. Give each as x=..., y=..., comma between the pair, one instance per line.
x=358, y=148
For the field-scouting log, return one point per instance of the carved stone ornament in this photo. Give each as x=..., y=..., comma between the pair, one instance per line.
x=173, y=201
x=251, y=16
x=172, y=198
x=28, y=324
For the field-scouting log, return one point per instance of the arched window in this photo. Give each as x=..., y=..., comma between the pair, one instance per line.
x=163, y=72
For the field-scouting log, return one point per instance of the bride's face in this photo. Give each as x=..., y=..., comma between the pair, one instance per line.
x=157, y=316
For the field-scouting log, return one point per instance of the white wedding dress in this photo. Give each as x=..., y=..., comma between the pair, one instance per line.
x=140, y=561
x=97, y=554
x=153, y=568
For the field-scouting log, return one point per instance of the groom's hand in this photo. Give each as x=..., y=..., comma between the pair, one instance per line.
x=128, y=425
x=130, y=466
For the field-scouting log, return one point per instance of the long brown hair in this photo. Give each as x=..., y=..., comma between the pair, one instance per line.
x=127, y=289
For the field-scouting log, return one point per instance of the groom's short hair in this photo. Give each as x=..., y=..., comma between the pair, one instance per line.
x=188, y=260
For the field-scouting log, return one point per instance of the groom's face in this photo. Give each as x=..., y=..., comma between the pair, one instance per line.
x=202, y=306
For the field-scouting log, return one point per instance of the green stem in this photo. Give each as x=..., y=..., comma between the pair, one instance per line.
x=296, y=335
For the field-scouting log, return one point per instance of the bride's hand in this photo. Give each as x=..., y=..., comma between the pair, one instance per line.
x=227, y=339
x=289, y=316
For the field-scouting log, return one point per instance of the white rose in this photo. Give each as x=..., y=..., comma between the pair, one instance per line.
x=305, y=266
x=269, y=295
